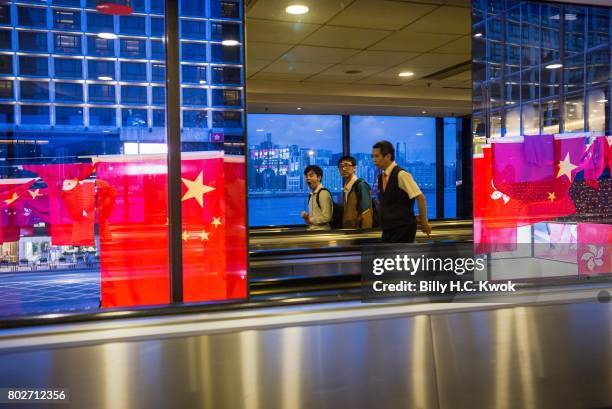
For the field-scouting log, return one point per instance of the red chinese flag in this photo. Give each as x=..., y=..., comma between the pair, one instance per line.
x=595, y=161
x=204, y=227
x=12, y=195
x=594, y=248
x=235, y=216
x=60, y=179
x=134, y=249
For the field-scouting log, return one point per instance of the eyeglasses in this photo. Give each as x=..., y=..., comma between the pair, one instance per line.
x=345, y=165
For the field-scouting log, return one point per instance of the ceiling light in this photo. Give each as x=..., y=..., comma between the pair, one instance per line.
x=105, y=78
x=229, y=42
x=553, y=66
x=602, y=101
x=297, y=9
x=107, y=36
x=570, y=17
x=406, y=74
x=478, y=35
x=202, y=81
x=424, y=112
x=318, y=130
x=259, y=130
x=419, y=134
x=299, y=108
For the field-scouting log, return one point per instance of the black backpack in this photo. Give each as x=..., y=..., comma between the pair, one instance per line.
x=375, y=217
x=337, y=211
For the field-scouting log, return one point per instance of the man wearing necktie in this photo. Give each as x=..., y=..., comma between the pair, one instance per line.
x=397, y=194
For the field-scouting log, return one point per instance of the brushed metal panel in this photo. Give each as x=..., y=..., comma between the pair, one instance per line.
x=361, y=364
x=525, y=357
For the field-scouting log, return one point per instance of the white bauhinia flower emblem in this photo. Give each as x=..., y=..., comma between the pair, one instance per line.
x=496, y=195
x=594, y=256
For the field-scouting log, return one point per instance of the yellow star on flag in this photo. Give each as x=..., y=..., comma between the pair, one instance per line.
x=204, y=235
x=12, y=198
x=35, y=193
x=551, y=196
x=196, y=189
x=185, y=235
x=216, y=221
x=566, y=167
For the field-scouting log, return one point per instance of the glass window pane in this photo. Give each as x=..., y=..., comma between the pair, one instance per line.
x=599, y=111
x=132, y=25
x=225, y=9
x=452, y=133
x=103, y=70
x=68, y=68
x=34, y=91
x=100, y=47
x=6, y=89
x=67, y=43
x=33, y=66
x=5, y=40
x=133, y=95
x=104, y=94
x=68, y=91
x=132, y=48
x=193, y=51
x=102, y=117
x=414, y=139
x=32, y=17
x=33, y=41
x=66, y=20
x=193, y=29
x=34, y=115
x=195, y=96
x=550, y=116
x=226, y=75
x=134, y=117
x=133, y=71
x=6, y=64
x=100, y=23
x=72, y=116
x=573, y=120
x=280, y=148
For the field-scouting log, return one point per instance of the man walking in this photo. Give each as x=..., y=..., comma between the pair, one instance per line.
x=320, y=202
x=357, y=198
x=397, y=193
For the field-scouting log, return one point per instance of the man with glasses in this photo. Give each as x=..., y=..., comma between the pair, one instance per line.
x=358, y=211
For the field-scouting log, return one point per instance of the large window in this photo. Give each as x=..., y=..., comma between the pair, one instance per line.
x=280, y=147
x=84, y=137
x=556, y=56
x=414, y=139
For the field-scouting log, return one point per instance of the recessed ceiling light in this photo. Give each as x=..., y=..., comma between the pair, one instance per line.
x=478, y=35
x=318, y=130
x=553, y=66
x=259, y=130
x=424, y=112
x=297, y=9
x=202, y=81
x=107, y=36
x=105, y=78
x=419, y=134
x=230, y=42
x=406, y=74
x=299, y=108
x=602, y=101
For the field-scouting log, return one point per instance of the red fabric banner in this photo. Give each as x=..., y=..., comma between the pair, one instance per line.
x=13, y=215
x=71, y=202
x=134, y=248
x=132, y=197
x=235, y=216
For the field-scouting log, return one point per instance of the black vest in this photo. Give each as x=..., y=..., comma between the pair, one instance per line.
x=396, y=207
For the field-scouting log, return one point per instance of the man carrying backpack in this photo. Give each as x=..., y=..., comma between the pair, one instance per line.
x=358, y=209
x=320, y=203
